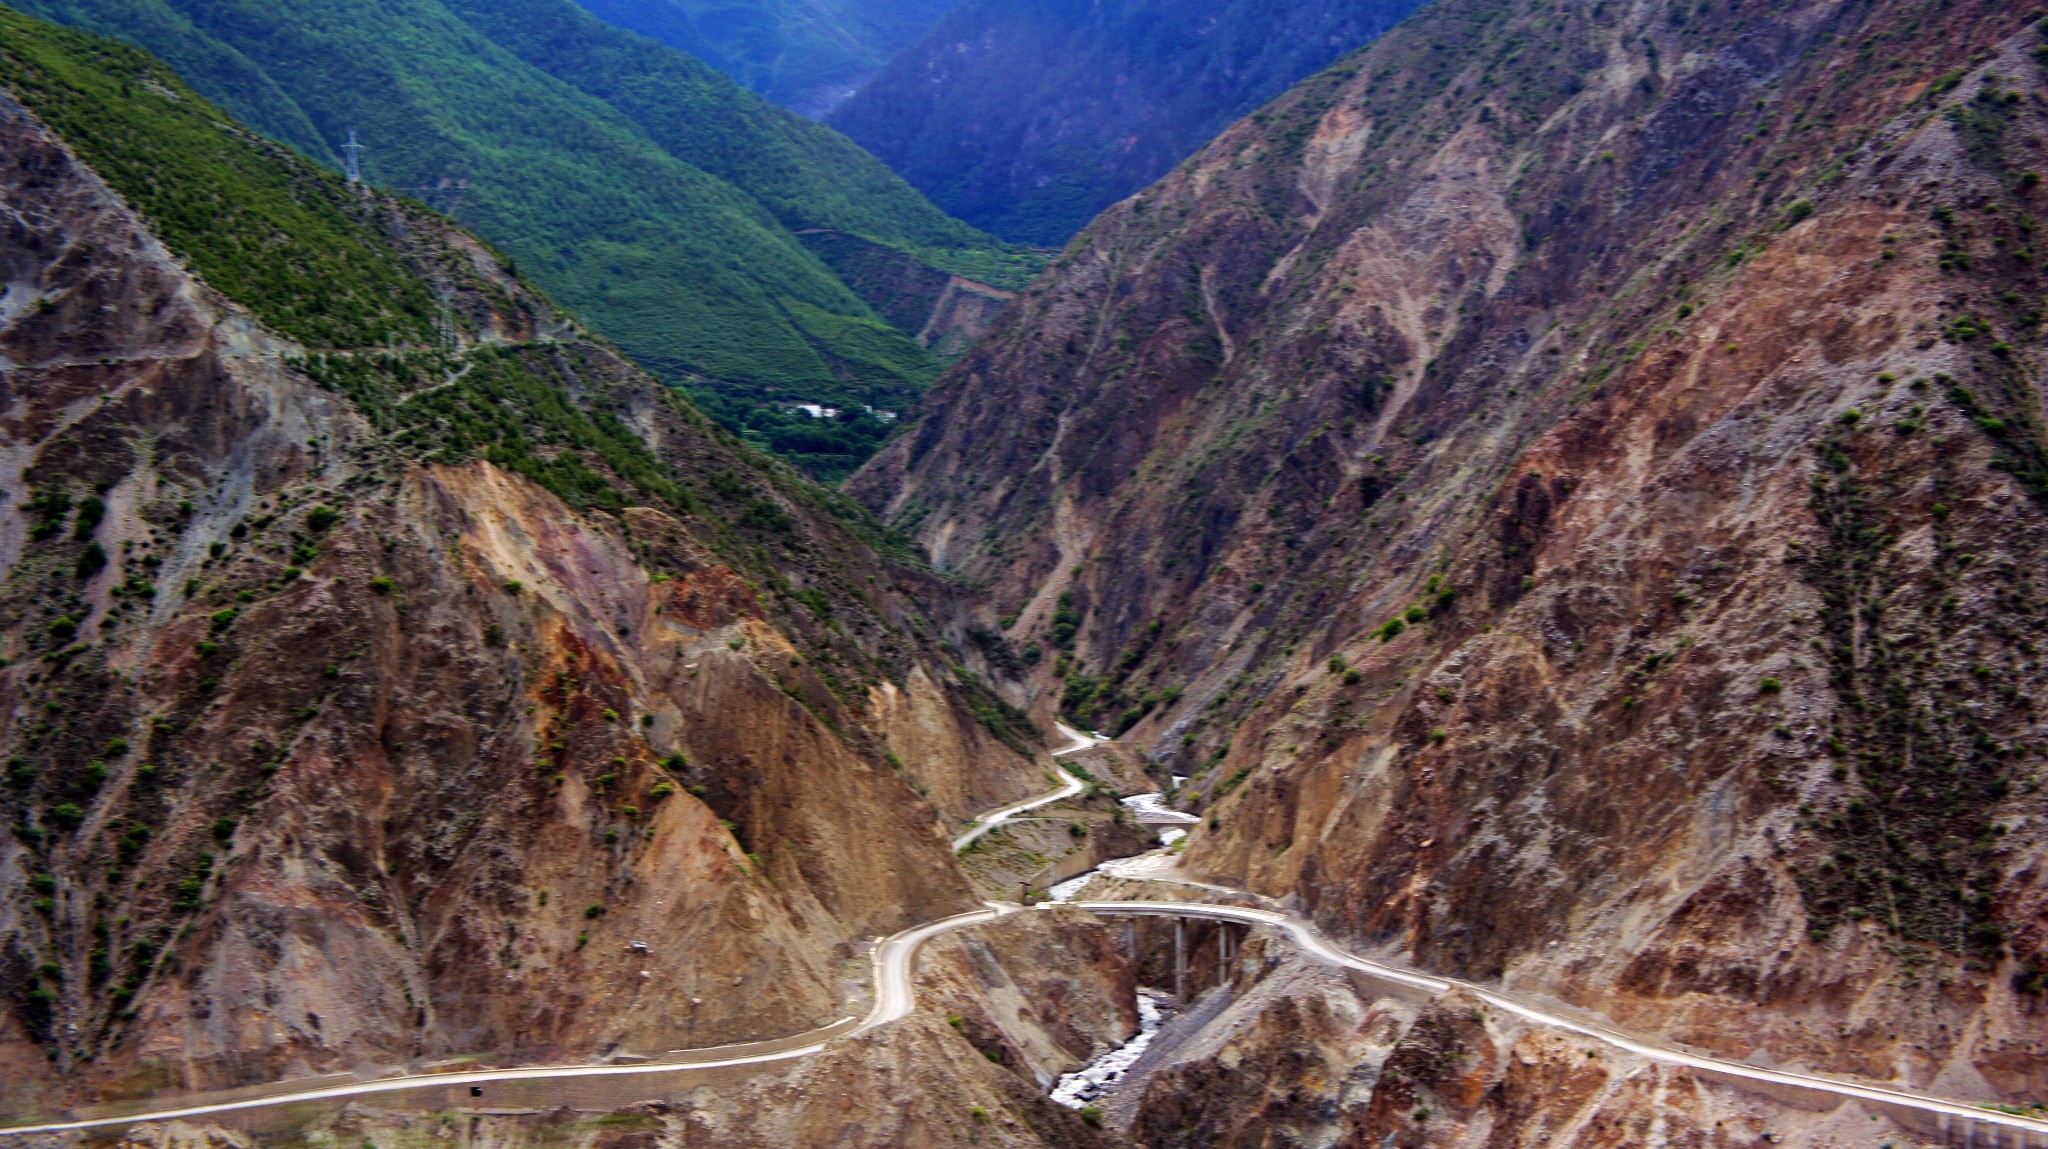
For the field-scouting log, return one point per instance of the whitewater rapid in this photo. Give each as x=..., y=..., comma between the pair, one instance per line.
x=1083, y=1086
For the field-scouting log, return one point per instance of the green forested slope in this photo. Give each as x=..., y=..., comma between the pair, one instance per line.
x=276, y=236
x=696, y=278
x=806, y=174
x=803, y=54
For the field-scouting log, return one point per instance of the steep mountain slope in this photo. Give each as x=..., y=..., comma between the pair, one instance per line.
x=388, y=665
x=807, y=55
x=807, y=175
x=640, y=187
x=1029, y=118
x=1567, y=483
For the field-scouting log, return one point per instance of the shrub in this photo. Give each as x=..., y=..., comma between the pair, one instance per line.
x=223, y=619
x=320, y=518
x=1065, y=623
x=49, y=506
x=67, y=816
x=383, y=585
x=63, y=630
x=660, y=790
x=91, y=561
x=1092, y=1114
x=593, y=911
x=1799, y=211
x=514, y=586
x=1770, y=686
x=91, y=509
x=224, y=830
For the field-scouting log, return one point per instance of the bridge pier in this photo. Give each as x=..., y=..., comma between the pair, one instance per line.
x=1180, y=958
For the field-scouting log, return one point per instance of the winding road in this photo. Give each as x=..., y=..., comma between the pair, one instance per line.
x=1069, y=786
x=894, y=959
x=1933, y=1113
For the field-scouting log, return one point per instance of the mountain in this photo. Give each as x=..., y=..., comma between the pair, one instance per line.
x=807, y=55
x=1028, y=118
x=639, y=187
x=392, y=671
x=1567, y=488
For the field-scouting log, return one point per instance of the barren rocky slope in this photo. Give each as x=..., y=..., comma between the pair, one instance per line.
x=1568, y=484
x=394, y=673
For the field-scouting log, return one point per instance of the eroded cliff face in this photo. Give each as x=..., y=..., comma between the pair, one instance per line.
x=1567, y=484
x=334, y=745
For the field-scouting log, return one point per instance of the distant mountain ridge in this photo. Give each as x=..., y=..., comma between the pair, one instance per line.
x=640, y=187
x=1029, y=117
x=806, y=55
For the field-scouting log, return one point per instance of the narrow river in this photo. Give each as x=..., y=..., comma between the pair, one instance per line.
x=1086, y=1085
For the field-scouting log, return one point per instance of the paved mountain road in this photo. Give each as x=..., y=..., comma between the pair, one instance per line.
x=1070, y=786
x=894, y=959
x=1931, y=1114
